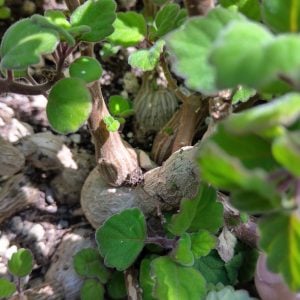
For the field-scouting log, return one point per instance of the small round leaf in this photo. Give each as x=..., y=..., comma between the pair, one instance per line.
x=21, y=263
x=86, y=68
x=118, y=105
x=121, y=238
x=7, y=288
x=69, y=105
x=91, y=289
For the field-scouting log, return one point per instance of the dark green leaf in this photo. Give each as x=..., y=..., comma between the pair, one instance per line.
x=146, y=281
x=129, y=29
x=69, y=105
x=233, y=266
x=280, y=239
x=88, y=263
x=24, y=42
x=99, y=15
x=121, y=238
x=5, y=13
x=7, y=288
x=91, y=289
x=173, y=281
x=86, y=68
x=21, y=263
x=202, y=243
x=116, y=287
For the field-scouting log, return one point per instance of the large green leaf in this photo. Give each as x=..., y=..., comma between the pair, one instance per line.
x=88, y=263
x=195, y=214
x=146, y=60
x=99, y=15
x=286, y=149
x=121, y=238
x=190, y=46
x=281, y=16
x=175, y=282
x=7, y=288
x=69, y=105
x=24, y=42
x=21, y=263
x=129, y=29
x=280, y=238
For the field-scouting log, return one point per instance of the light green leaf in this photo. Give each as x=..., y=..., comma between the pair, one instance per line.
x=111, y=123
x=146, y=60
x=281, y=16
x=286, y=150
x=121, y=238
x=280, y=239
x=243, y=94
x=173, y=281
x=190, y=45
x=146, y=281
x=86, y=68
x=24, y=42
x=88, y=263
x=69, y=105
x=182, y=253
x=7, y=288
x=129, y=29
x=118, y=105
x=58, y=18
x=202, y=243
x=116, y=287
x=195, y=214
x=228, y=293
x=91, y=289
x=99, y=15
x=21, y=263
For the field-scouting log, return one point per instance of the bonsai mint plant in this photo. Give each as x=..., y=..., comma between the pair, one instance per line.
x=233, y=68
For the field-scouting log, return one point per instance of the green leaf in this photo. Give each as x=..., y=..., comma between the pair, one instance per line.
x=111, y=123
x=286, y=150
x=146, y=281
x=69, y=105
x=24, y=42
x=21, y=263
x=250, y=8
x=117, y=105
x=195, y=214
x=91, y=289
x=5, y=13
x=88, y=263
x=129, y=29
x=228, y=293
x=108, y=50
x=228, y=71
x=232, y=267
x=7, y=288
x=243, y=94
x=87, y=68
x=280, y=239
x=121, y=238
x=58, y=18
x=202, y=243
x=190, y=45
x=281, y=111
x=182, y=253
x=146, y=60
x=168, y=18
x=281, y=16
x=99, y=15
x=173, y=281
x=116, y=287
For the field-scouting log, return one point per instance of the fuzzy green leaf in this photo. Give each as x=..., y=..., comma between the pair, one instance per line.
x=88, y=263
x=7, y=288
x=86, y=68
x=129, y=29
x=190, y=45
x=21, y=263
x=69, y=105
x=182, y=253
x=99, y=15
x=195, y=214
x=91, y=289
x=173, y=281
x=24, y=42
x=202, y=243
x=280, y=239
x=146, y=60
x=58, y=18
x=121, y=238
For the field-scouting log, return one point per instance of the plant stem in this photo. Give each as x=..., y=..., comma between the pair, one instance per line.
x=162, y=241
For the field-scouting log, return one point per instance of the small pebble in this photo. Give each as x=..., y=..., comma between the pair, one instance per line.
x=62, y=224
x=130, y=134
x=37, y=231
x=10, y=251
x=76, y=138
x=4, y=244
x=17, y=224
